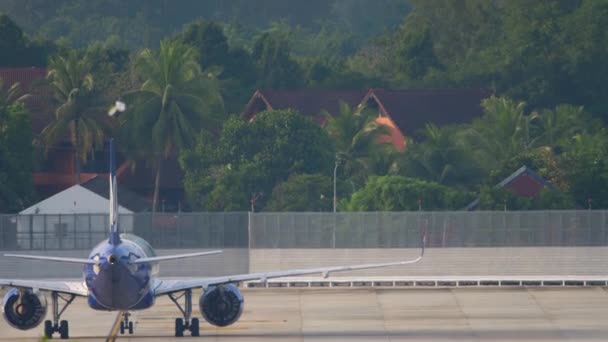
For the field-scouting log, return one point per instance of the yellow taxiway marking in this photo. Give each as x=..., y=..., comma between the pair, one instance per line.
x=115, y=328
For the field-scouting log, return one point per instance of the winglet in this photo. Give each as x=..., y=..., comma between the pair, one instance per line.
x=423, y=243
x=114, y=231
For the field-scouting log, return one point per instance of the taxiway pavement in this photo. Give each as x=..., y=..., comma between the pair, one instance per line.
x=373, y=314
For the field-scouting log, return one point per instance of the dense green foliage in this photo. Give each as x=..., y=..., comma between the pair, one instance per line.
x=585, y=162
x=18, y=50
x=545, y=60
x=542, y=52
x=250, y=159
x=142, y=23
x=302, y=192
x=443, y=157
x=397, y=193
x=500, y=199
x=16, y=158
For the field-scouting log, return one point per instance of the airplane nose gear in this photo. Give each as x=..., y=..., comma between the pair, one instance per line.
x=126, y=324
x=61, y=327
x=186, y=323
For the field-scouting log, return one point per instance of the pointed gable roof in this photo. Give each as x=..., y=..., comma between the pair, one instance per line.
x=126, y=198
x=309, y=102
x=525, y=182
x=76, y=199
x=412, y=109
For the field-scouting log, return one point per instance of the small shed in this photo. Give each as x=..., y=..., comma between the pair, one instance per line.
x=524, y=182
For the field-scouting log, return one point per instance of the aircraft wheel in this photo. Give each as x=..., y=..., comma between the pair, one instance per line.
x=194, y=327
x=122, y=328
x=48, y=329
x=179, y=327
x=64, y=330
x=130, y=328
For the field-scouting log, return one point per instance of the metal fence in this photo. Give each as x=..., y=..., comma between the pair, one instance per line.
x=444, y=229
x=313, y=230
x=176, y=230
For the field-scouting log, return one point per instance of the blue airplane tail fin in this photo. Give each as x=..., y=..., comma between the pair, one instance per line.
x=114, y=231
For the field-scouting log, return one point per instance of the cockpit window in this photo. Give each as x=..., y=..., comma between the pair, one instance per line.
x=96, y=267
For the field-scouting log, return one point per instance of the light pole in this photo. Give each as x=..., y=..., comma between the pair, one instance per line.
x=335, y=172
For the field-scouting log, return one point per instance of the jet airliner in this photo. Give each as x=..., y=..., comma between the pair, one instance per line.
x=120, y=274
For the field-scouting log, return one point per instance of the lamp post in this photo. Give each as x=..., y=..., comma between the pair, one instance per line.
x=335, y=172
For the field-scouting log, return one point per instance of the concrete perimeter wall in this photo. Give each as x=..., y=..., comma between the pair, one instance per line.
x=505, y=261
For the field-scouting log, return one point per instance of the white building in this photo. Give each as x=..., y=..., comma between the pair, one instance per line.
x=75, y=218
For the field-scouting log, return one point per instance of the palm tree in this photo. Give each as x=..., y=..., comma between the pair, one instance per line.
x=563, y=124
x=173, y=104
x=11, y=95
x=355, y=133
x=502, y=133
x=441, y=157
x=77, y=113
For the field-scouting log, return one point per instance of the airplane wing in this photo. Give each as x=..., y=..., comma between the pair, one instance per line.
x=70, y=287
x=173, y=257
x=51, y=258
x=169, y=286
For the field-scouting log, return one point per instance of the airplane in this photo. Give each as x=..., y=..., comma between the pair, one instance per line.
x=120, y=274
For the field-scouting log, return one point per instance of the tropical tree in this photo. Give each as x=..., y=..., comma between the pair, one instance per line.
x=564, y=123
x=16, y=158
x=398, y=193
x=356, y=134
x=441, y=157
x=78, y=115
x=502, y=132
x=251, y=158
x=173, y=104
x=586, y=165
x=492, y=198
x=276, y=69
x=11, y=95
x=303, y=192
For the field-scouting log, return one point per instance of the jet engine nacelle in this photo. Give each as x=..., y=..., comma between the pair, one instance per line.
x=23, y=309
x=221, y=305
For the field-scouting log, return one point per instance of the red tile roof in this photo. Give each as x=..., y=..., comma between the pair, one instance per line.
x=309, y=102
x=411, y=109
x=525, y=182
x=25, y=76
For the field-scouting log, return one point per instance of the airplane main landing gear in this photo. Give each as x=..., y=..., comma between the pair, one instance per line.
x=186, y=323
x=61, y=327
x=126, y=324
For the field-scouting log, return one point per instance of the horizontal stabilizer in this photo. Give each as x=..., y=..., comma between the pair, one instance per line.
x=173, y=257
x=50, y=258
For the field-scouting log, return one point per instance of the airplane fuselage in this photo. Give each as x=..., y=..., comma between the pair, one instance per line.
x=114, y=282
